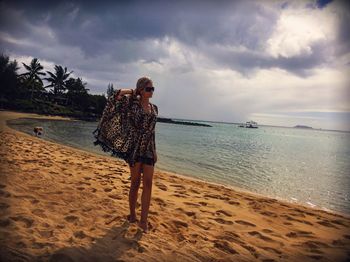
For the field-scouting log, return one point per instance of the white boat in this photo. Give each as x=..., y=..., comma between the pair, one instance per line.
x=251, y=124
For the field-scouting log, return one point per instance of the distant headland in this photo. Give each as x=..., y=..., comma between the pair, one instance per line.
x=301, y=126
x=170, y=121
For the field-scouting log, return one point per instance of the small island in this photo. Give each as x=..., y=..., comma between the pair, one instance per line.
x=170, y=121
x=301, y=126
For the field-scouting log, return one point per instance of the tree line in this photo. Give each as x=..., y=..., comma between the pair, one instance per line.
x=63, y=95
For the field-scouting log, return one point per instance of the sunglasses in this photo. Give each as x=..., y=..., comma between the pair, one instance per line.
x=149, y=89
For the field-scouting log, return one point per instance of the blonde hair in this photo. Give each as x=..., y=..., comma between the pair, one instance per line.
x=141, y=84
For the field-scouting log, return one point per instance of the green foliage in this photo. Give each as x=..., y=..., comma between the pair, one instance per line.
x=31, y=79
x=110, y=90
x=26, y=92
x=8, y=77
x=58, y=79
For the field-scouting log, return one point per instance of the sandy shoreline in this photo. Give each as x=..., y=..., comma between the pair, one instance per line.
x=62, y=203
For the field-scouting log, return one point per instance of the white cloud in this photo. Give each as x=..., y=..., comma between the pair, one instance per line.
x=298, y=29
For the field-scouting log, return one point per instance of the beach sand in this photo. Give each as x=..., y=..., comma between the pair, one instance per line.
x=64, y=204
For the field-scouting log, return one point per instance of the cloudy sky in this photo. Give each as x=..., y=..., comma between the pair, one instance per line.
x=275, y=62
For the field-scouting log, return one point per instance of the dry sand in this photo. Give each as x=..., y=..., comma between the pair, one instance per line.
x=63, y=204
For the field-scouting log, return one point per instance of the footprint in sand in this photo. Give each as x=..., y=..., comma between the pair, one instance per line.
x=289, y=218
x=46, y=233
x=265, y=230
x=108, y=189
x=197, y=223
x=315, y=244
x=71, y=218
x=4, y=222
x=27, y=222
x=161, y=186
x=245, y=223
x=194, y=191
x=234, y=203
x=269, y=214
x=224, y=212
x=39, y=245
x=327, y=224
x=83, y=183
x=346, y=236
x=153, y=212
x=181, y=195
x=224, y=246
x=178, y=186
x=192, y=204
x=274, y=250
x=80, y=234
x=190, y=213
x=216, y=196
x=4, y=206
x=4, y=193
x=116, y=196
x=223, y=221
x=21, y=244
x=338, y=243
x=260, y=236
x=179, y=223
x=300, y=233
x=160, y=202
x=39, y=213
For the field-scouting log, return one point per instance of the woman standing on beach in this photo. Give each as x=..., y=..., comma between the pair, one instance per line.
x=127, y=128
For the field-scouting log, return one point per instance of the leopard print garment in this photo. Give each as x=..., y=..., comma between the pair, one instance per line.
x=126, y=130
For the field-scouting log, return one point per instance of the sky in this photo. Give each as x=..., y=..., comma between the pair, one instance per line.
x=281, y=63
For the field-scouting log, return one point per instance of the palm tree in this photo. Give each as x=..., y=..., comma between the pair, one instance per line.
x=110, y=90
x=58, y=79
x=77, y=92
x=76, y=86
x=8, y=77
x=32, y=77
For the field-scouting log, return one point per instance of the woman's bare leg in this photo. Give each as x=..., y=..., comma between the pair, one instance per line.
x=135, y=173
x=146, y=194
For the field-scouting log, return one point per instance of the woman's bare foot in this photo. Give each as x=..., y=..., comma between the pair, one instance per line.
x=131, y=219
x=144, y=226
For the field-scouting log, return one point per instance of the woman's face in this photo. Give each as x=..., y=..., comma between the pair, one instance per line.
x=149, y=93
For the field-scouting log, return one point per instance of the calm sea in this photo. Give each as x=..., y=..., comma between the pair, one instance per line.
x=311, y=167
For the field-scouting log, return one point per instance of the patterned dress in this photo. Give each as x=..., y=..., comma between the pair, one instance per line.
x=127, y=131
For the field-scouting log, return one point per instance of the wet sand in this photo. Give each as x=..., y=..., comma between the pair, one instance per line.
x=63, y=204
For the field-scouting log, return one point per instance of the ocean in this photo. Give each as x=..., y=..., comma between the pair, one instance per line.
x=311, y=167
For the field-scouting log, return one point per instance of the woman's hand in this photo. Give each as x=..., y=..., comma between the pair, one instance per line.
x=123, y=92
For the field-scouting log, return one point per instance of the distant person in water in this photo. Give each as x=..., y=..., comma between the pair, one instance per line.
x=131, y=136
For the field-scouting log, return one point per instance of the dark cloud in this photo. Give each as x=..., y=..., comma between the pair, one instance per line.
x=90, y=26
x=95, y=37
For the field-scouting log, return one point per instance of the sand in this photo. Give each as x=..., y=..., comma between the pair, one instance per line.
x=63, y=204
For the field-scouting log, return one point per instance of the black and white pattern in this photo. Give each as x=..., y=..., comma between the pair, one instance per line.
x=126, y=130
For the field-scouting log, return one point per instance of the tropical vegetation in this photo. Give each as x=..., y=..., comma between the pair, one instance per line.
x=63, y=95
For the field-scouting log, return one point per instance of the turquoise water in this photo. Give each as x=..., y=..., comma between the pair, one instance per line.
x=306, y=166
